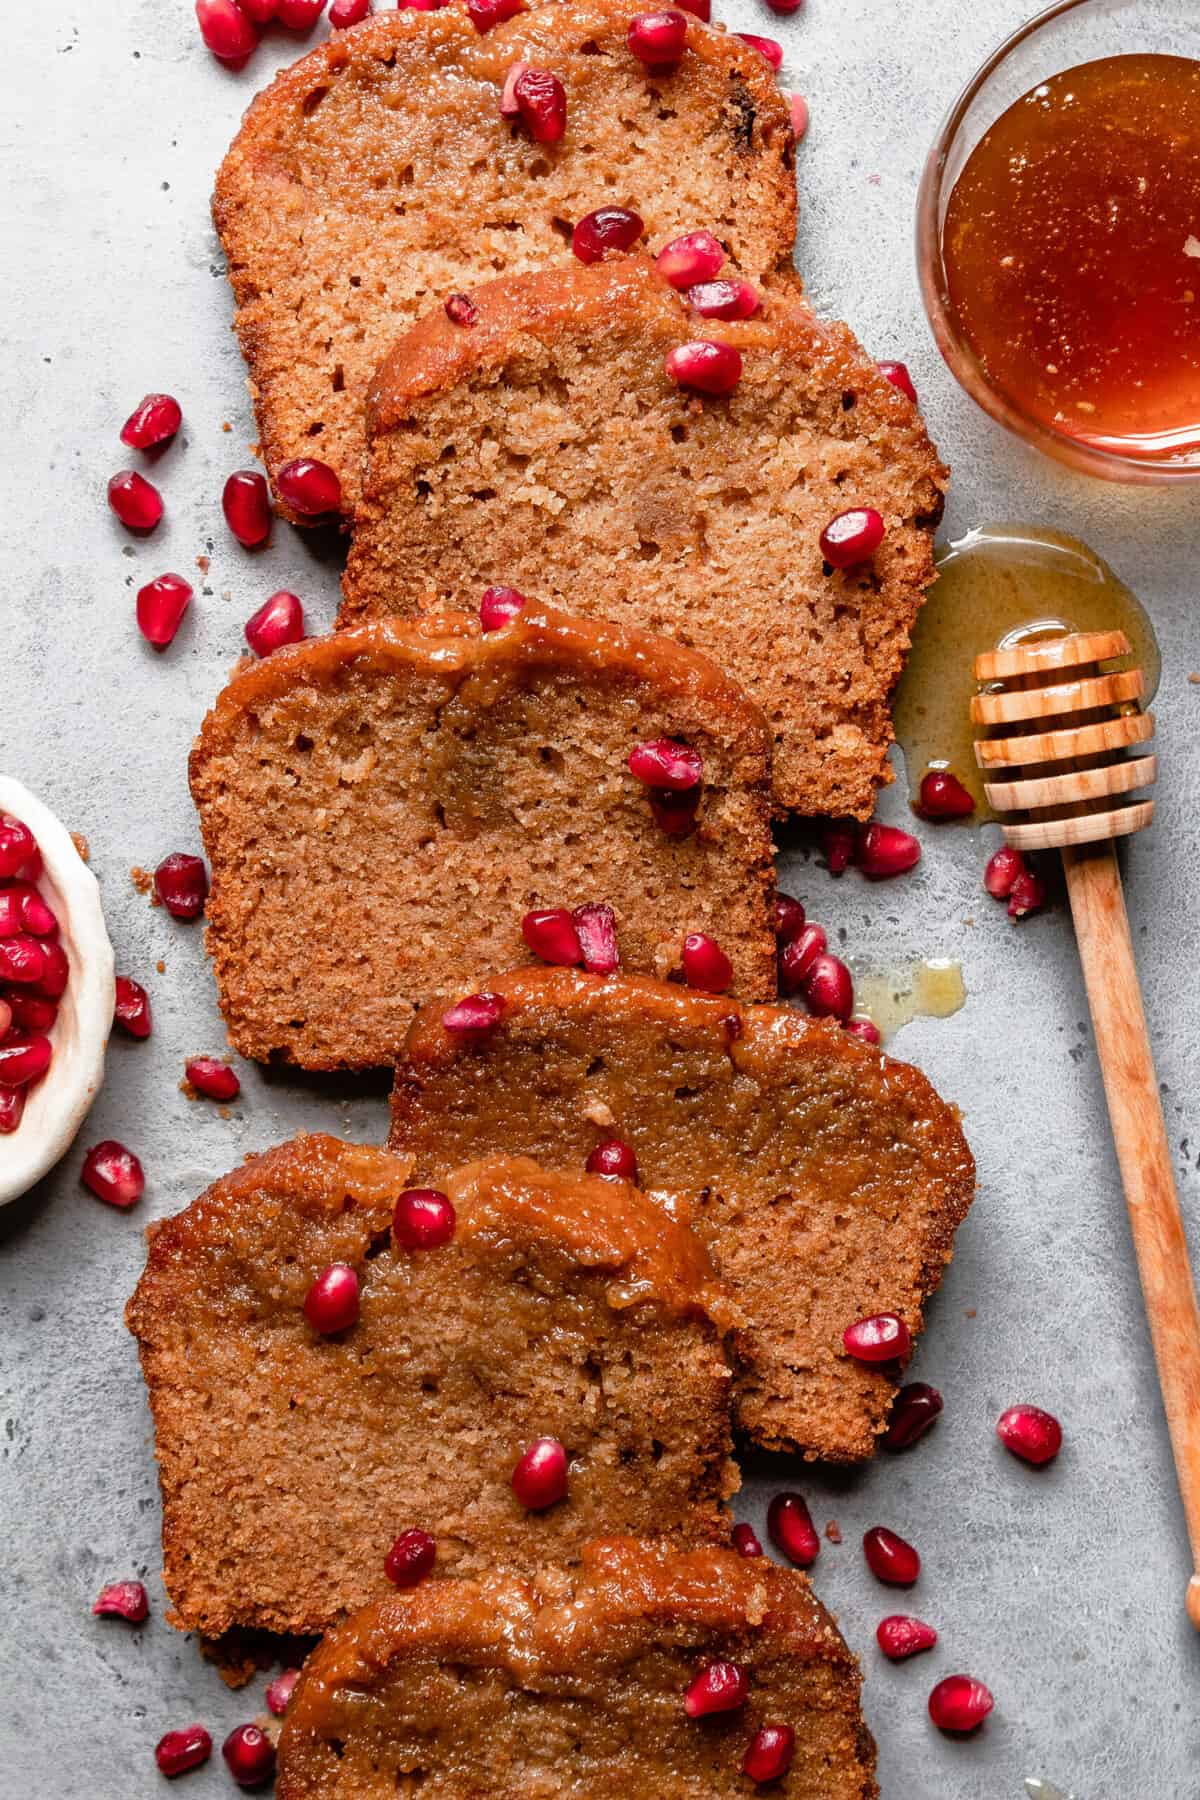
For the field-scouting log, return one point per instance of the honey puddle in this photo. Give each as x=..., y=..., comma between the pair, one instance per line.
x=931, y=989
x=1044, y=1790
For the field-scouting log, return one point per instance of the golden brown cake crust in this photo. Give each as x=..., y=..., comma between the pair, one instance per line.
x=828, y=1178
x=572, y=1682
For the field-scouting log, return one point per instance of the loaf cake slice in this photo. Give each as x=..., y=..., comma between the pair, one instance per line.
x=547, y=448
x=377, y=177
x=381, y=808
x=573, y=1683
x=290, y=1461
x=828, y=1179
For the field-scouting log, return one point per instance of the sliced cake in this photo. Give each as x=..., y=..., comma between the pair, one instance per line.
x=585, y=1682
x=300, y=1435
x=382, y=808
x=379, y=176
x=550, y=448
x=828, y=1179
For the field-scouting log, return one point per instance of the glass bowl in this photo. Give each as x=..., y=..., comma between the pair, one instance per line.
x=1065, y=35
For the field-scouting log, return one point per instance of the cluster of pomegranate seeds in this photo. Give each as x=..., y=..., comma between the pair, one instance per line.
x=881, y=1338
x=766, y=47
x=113, y=1174
x=34, y=971
x=154, y=421
x=597, y=928
x=136, y=501
x=897, y=373
x=791, y=1530
x=538, y=99
x=720, y=1687
x=890, y=1558
x=769, y=1753
x=212, y=1078
x=614, y=1160
x=331, y=1303
x=181, y=884
x=745, y=1541
x=483, y=14
x=1008, y=877
x=477, y=1012
x=280, y=1691
x=540, y=1477
x=900, y=1636
x=410, y=1559
x=460, y=309
x=943, y=796
x=916, y=1407
x=705, y=965
x=126, y=1600
x=551, y=934
x=608, y=229
x=724, y=299
x=498, y=606
x=706, y=366
x=1033, y=1435
x=686, y=261
x=852, y=537
x=161, y=605
x=249, y=1756
x=227, y=31
x=278, y=621
x=309, y=487
x=182, y=1750
x=246, y=503
x=344, y=13
x=959, y=1703
x=658, y=39
x=423, y=1219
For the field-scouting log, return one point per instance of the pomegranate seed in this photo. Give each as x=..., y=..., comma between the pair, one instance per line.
x=674, y=813
x=614, y=1160
x=181, y=883
x=6, y=1018
x=745, y=1541
x=249, y=1755
x=126, y=1600
x=959, y=1703
x=766, y=47
x=1033, y=1435
x=917, y=1406
x=212, y=1078
x=483, y=14
x=56, y=971
x=720, y=1687
x=851, y=537
x=299, y=15
x=897, y=373
x=608, y=228
x=309, y=487
x=699, y=9
x=12, y=1105
x=552, y=936
x=477, y=1012
x=280, y=1691
x=900, y=1636
x=136, y=501
x=798, y=114
x=705, y=366
x=132, y=1008
x=420, y=5
x=29, y=1012
x=724, y=299
x=1028, y=894
x=155, y=420
x=331, y=1303
x=665, y=763
x=788, y=918
x=890, y=1558
x=24, y=1060
x=790, y=1529
x=884, y=850
x=881, y=1338
x=226, y=30
x=837, y=842
x=540, y=1478
x=424, y=1219
x=508, y=93
x=17, y=845
x=460, y=309
x=785, y=7
x=1000, y=876
x=597, y=928
x=498, y=606
x=798, y=956
x=943, y=796
x=541, y=101
x=262, y=12
x=410, y=1558
x=342, y=14
x=180, y=1751
x=22, y=909
x=161, y=605
x=246, y=503
x=769, y=1753
x=828, y=988
x=686, y=261
x=705, y=964
x=657, y=39
x=278, y=621
x=22, y=959
x=864, y=1029
x=113, y=1174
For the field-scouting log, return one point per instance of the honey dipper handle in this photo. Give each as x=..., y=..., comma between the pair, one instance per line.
x=1135, y=1110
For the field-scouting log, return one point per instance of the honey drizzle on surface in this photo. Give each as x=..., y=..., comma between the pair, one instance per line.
x=930, y=989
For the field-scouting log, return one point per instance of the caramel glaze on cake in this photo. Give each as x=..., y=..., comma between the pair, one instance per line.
x=572, y=1684
x=564, y=1307
x=828, y=1178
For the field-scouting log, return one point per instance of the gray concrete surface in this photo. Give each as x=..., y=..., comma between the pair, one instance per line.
x=1063, y=1590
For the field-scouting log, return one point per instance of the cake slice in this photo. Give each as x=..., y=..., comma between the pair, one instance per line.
x=573, y=1683
x=377, y=177
x=548, y=448
x=291, y=1459
x=381, y=809
x=828, y=1179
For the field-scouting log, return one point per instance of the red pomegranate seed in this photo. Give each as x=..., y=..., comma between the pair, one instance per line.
x=136, y=501
x=551, y=934
x=246, y=503
x=1000, y=876
x=613, y=1159
x=155, y=420
x=541, y=101
x=17, y=845
x=29, y=1012
x=788, y=918
x=181, y=883
x=686, y=261
x=657, y=39
x=609, y=228
x=508, y=93
x=460, y=309
x=161, y=605
x=784, y=7
x=1033, y=1435
x=56, y=971
x=597, y=928
x=249, y=1756
x=705, y=366
x=769, y=1753
x=212, y=1078
x=837, y=842
x=113, y=1174
x=24, y=1060
x=226, y=30
x=745, y=1541
x=897, y=373
x=22, y=959
x=261, y=11
x=790, y=1529
x=477, y=1012
x=6, y=1017
x=705, y=964
x=828, y=988
x=342, y=14
x=540, y=1477
x=943, y=796
x=720, y=1687
x=498, y=606
x=766, y=47
x=132, y=1008
x=699, y=9
x=12, y=1105
x=851, y=537
x=890, y=1558
x=900, y=1636
x=864, y=1029
x=309, y=487
x=299, y=15
x=410, y=1558
x=798, y=956
x=724, y=299
x=674, y=813
x=881, y=1338
x=959, y=1703
x=126, y=1600
x=22, y=909
x=278, y=621
x=884, y=850
x=280, y=1691
x=420, y=5
x=483, y=14
x=424, y=1219
x=798, y=114
x=917, y=1406
x=180, y=1751
x=1027, y=895
x=666, y=763
x=331, y=1303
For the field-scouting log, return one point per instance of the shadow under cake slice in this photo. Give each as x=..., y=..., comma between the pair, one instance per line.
x=290, y=1461
x=828, y=1179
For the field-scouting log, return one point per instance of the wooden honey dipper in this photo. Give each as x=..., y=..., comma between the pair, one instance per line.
x=1060, y=720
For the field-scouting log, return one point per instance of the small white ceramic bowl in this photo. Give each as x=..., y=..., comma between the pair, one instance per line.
x=57, y=1105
